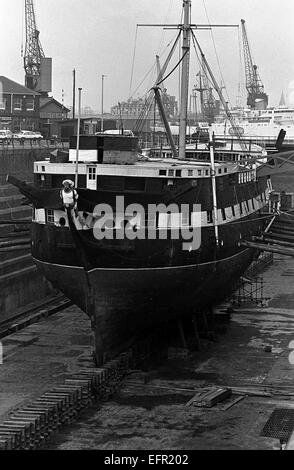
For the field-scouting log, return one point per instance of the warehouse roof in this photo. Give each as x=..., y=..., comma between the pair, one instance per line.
x=9, y=86
x=44, y=100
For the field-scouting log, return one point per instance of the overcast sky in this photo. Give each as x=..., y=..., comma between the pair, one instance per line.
x=97, y=37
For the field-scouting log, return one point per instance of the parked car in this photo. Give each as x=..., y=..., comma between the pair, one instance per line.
x=28, y=135
x=5, y=136
x=117, y=132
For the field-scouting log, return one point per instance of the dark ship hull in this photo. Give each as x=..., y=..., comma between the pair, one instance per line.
x=128, y=302
x=129, y=287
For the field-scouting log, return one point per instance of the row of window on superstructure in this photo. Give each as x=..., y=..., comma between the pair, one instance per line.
x=246, y=176
x=201, y=156
x=245, y=207
x=180, y=219
x=198, y=172
x=152, y=220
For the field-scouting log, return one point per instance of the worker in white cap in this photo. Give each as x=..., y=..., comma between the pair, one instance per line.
x=69, y=195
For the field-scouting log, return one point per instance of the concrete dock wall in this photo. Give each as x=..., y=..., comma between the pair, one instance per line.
x=20, y=162
x=20, y=281
x=20, y=288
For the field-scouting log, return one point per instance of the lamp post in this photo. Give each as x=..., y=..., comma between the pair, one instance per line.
x=78, y=140
x=102, y=110
x=62, y=103
x=73, y=92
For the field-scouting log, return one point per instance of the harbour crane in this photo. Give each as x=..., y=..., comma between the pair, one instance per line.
x=38, y=68
x=209, y=105
x=256, y=98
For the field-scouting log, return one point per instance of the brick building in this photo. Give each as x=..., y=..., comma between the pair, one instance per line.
x=19, y=106
x=136, y=108
x=51, y=113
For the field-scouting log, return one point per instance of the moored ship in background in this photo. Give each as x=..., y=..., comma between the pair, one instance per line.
x=174, y=262
x=262, y=127
x=259, y=127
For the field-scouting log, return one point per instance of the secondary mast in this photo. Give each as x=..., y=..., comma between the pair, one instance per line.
x=184, y=77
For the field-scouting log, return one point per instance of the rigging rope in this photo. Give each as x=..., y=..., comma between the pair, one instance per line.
x=146, y=109
x=286, y=213
x=176, y=66
x=215, y=50
x=250, y=220
x=216, y=87
x=240, y=80
x=152, y=68
x=142, y=81
x=143, y=114
x=133, y=61
x=163, y=31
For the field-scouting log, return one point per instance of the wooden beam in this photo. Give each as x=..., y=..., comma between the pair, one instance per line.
x=273, y=241
x=273, y=249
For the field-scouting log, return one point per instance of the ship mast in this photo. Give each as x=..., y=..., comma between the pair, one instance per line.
x=184, y=77
x=185, y=28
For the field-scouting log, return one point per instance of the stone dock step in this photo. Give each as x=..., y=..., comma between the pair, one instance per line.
x=8, y=230
x=6, y=202
x=8, y=190
x=15, y=213
x=15, y=264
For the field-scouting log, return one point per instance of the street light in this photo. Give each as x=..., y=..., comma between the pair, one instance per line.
x=102, y=111
x=78, y=140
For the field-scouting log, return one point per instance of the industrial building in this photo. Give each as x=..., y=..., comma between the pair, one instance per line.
x=89, y=125
x=19, y=106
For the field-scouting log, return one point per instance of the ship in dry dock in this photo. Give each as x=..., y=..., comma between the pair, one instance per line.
x=174, y=262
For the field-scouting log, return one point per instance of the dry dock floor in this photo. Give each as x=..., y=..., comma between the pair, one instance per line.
x=152, y=413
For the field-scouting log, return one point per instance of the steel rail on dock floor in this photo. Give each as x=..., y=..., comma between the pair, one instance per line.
x=33, y=313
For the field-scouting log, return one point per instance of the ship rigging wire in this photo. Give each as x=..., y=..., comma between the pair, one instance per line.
x=152, y=68
x=286, y=213
x=133, y=61
x=216, y=87
x=241, y=84
x=175, y=67
x=160, y=45
x=216, y=53
x=144, y=113
x=149, y=101
x=131, y=94
x=251, y=220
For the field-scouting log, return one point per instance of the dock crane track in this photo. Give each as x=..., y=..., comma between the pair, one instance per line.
x=32, y=425
x=32, y=314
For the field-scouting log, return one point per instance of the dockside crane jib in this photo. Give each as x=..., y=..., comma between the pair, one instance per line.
x=256, y=98
x=38, y=68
